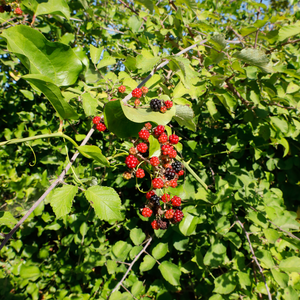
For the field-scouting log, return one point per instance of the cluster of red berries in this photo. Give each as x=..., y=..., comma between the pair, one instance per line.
x=98, y=121
x=166, y=171
x=7, y=8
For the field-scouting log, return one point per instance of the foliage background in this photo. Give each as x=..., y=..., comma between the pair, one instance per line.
x=241, y=137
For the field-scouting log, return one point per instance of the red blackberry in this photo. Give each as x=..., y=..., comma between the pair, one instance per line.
x=96, y=119
x=174, y=139
x=155, y=104
x=169, y=214
x=132, y=151
x=159, y=130
x=142, y=147
x=154, y=161
x=140, y=173
x=180, y=173
x=122, y=89
x=173, y=183
x=170, y=173
x=177, y=166
x=163, y=109
x=149, y=194
x=101, y=127
x=155, y=199
x=163, y=223
x=165, y=198
x=137, y=93
x=148, y=126
x=144, y=90
x=18, y=11
x=168, y=104
x=165, y=149
x=155, y=225
x=176, y=201
x=163, y=138
x=131, y=161
x=157, y=183
x=172, y=153
x=146, y=212
x=178, y=215
x=144, y=134
x=167, y=166
x=1, y=9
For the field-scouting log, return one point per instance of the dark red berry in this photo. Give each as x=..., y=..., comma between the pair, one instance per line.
x=140, y=173
x=146, y=212
x=163, y=138
x=180, y=173
x=163, y=223
x=173, y=183
x=144, y=134
x=163, y=109
x=174, y=139
x=96, y=119
x=1, y=9
x=155, y=225
x=165, y=198
x=148, y=126
x=178, y=215
x=157, y=183
x=176, y=201
x=18, y=11
x=122, y=89
x=172, y=153
x=149, y=194
x=154, y=161
x=137, y=93
x=101, y=127
x=142, y=147
x=131, y=161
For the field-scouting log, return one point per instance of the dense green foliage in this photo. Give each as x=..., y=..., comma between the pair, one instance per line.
x=237, y=98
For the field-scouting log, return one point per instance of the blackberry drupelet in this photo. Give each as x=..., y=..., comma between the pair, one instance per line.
x=177, y=166
x=155, y=104
x=170, y=173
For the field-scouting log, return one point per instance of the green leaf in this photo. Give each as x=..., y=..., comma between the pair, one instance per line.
x=30, y=272
x=271, y=235
x=137, y=288
x=61, y=200
x=147, y=263
x=105, y=201
x=57, y=7
x=7, y=219
x=53, y=94
x=146, y=61
x=89, y=104
x=215, y=255
x=291, y=264
x=188, y=225
x=95, y=53
x=184, y=116
x=218, y=41
x=288, y=31
x=290, y=294
x=107, y=60
x=292, y=88
x=137, y=236
x=147, y=3
x=281, y=278
x=154, y=147
x=121, y=249
x=170, y=272
x=225, y=283
x=255, y=57
x=160, y=250
x=143, y=115
x=265, y=258
x=258, y=218
x=55, y=60
x=95, y=153
x=280, y=124
x=117, y=123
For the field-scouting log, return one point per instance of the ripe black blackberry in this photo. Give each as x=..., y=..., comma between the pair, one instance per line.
x=155, y=104
x=155, y=200
x=177, y=166
x=163, y=223
x=170, y=173
x=7, y=8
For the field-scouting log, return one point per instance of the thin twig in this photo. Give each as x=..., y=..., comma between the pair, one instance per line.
x=132, y=9
x=253, y=255
x=130, y=267
x=258, y=30
x=52, y=186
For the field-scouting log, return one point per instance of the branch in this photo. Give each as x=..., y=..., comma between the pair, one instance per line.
x=132, y=9
x=130, y=267
x=253, y=255
x=52, y=186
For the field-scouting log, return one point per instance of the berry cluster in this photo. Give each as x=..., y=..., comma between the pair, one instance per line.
x=165, y=172
x=160, y=105
x=8, y=8
x=98, y=121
